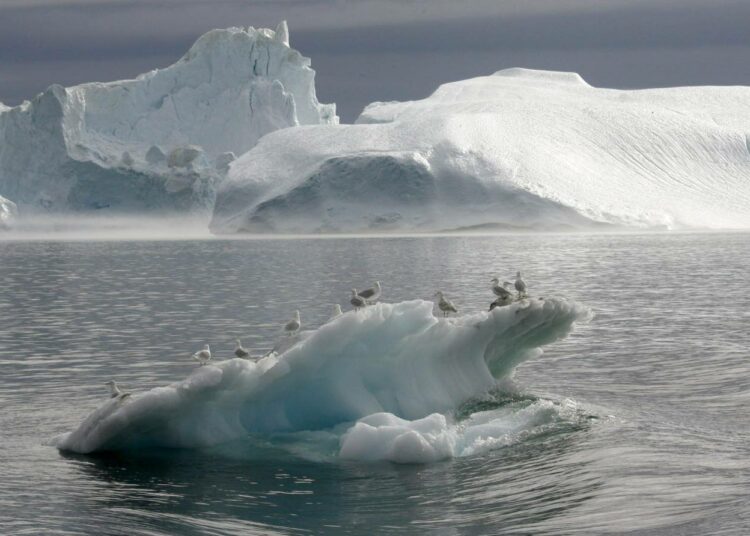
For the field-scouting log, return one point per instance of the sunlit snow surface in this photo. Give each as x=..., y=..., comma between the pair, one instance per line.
x=397, y=367
x=517, y=149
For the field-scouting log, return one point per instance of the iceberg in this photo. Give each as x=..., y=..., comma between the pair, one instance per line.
x=152, y=143
x=8, y=213
x=396, y=360
x=519, y=148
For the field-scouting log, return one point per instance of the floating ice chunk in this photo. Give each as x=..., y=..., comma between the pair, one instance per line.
x=397, y=359
x=384, y=436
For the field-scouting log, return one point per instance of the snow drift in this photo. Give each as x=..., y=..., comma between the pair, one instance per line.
x=519, y=148
x=159, y=142
x=394, y=358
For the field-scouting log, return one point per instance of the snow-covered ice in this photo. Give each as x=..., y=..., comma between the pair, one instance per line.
x=519, y=148
x=395, y=359
x=151, y=144
x=8, y=212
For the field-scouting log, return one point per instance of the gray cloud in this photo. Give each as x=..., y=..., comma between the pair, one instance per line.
x=380, y=50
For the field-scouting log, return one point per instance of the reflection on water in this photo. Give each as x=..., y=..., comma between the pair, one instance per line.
x=661, y=378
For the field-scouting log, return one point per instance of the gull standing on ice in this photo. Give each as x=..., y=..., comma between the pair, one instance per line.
x=502, y=301
x=371, y=295
x=203, y=356
x=520, y=286
x=239, y=351
x=293, y=325
x=357, y=300
x=445, y=305
x=114, y=391
x=499, y=290
x=337, y=312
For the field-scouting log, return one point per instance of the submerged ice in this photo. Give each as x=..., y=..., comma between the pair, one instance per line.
x=387, y=364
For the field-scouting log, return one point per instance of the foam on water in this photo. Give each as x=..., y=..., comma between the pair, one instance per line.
x=394, y=367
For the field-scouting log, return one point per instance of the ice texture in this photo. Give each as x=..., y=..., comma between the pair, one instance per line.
x=105, y=145
x=384, y=436
x=519, y=148
x=388, y=358
x=8, y=212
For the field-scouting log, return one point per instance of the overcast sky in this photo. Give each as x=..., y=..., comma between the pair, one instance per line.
x=367, y=50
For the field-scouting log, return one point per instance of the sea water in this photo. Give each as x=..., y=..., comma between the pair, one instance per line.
x=644, y=421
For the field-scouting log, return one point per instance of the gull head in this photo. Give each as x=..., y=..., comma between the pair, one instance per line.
x=495, y=280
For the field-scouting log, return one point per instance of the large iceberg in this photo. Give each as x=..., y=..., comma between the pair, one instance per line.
x=519, y=148
x=391, y=362
x=160, y=142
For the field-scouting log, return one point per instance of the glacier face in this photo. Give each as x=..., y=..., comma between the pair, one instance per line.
x=520, y=148
x=158, y=142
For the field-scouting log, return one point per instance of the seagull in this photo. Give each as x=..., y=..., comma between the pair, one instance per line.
x=502, y=301
x=336, y=311
x=203, y=356
x=499, y=290
x=239, y=351
x=357, y=300
x=293, y=325
x=371, y=295
x=114, y=391
x=520, y=285
x=445, y=305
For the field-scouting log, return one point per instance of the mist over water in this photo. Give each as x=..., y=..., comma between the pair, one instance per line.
x=109, y=227
x=648, y=429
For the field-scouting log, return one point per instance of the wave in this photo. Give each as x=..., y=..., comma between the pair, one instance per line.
x=395, y=359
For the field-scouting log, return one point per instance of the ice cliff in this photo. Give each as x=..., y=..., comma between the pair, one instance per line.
x=519, y=148
x=162, y=141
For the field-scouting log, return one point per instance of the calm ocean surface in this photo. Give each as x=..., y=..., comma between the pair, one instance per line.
x=661, y=376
